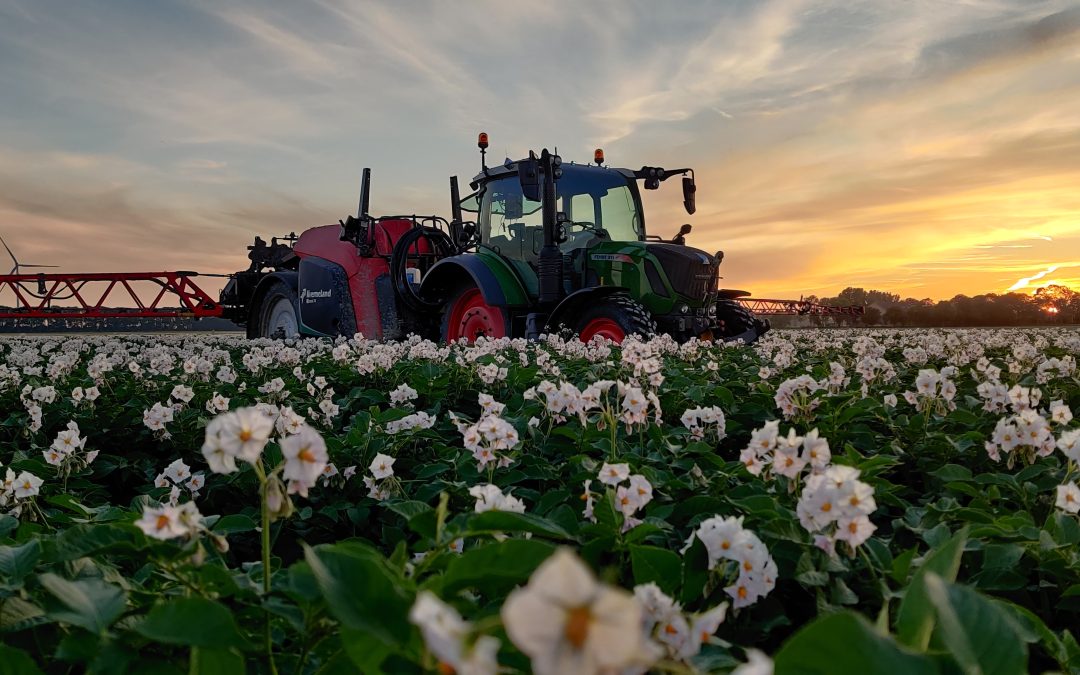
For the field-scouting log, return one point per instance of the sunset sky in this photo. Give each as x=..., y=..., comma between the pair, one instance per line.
x=924, y=147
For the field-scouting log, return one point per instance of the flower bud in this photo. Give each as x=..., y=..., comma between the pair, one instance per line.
x=277, y=501
x=199, y=556
x=220, y=543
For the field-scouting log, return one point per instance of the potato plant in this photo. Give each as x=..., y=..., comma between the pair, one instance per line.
x=822, y=502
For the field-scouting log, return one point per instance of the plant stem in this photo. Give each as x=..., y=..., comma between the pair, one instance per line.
x=268, y=641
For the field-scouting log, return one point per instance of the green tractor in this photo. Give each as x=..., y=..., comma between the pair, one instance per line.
x=539, y=246
x=564, y=246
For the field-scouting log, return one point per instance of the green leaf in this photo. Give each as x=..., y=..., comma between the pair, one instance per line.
x=8, y=524
x=18, y=561
x=361, y=590
x=915, y=620
x=952, y=473
x=845, y=644
x=195, y=622
x=18, y=614
x=89, y=603
x=658, y=565
x=496, y=567
x=409, y=508
x=82, y=540
x=508, y=521
x=979, y=635
x=233, y=523
x=1033, y=629
x=365, y=650
x=695, y=572
x=17, y=662
x=216, y=662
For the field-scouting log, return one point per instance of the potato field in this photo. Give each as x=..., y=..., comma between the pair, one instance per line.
x=832, y=501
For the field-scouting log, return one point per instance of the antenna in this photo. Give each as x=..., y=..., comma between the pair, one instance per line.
x=18, y=265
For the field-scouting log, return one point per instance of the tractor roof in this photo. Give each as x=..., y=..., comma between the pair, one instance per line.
x=510, y=167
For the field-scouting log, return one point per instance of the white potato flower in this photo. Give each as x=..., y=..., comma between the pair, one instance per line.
x=567, y=623
x=445, y=634
x=305, y=456
x=27, y=485
x=213, y=448
x=1068, y=498
x=244, y=433
x=613, y=474
x=382, y=466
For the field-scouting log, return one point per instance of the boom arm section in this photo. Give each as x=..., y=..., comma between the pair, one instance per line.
x=146, y=294
x=769, y=307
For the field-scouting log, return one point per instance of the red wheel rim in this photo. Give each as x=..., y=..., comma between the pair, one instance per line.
x=472, y=317
x=604, y=328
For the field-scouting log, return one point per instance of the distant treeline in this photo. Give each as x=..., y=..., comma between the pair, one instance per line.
x=1051, y=305
x=126, y=325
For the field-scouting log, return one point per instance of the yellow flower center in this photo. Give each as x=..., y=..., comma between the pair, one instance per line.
x=245, y=435
x=306, y=455
x=162, y=522
x=826, y=507
x=576, y=629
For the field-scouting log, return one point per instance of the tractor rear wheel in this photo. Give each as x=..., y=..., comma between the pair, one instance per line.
x=617, y=317
x=738, y=323
x=278, y=313
x=468, y=316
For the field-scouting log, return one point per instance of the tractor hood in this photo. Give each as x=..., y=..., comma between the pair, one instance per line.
x=693, y=273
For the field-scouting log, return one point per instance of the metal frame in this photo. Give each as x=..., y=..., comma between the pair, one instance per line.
x=770, y=307
x=36, y=295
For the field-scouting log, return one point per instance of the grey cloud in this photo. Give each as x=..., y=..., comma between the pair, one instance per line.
x=1023, y=38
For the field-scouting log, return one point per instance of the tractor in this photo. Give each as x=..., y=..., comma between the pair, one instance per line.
x=538, y=246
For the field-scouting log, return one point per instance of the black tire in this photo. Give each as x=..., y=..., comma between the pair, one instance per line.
x=271, y=318
x=738, y=323
x=630, y=316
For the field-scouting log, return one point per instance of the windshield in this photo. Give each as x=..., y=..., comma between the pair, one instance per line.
x=591, y=198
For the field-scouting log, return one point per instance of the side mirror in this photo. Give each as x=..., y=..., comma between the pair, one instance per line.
x=689, y=192
x=529, y=177
x=685, y=229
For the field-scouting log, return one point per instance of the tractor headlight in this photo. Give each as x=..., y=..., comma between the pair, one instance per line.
x=711, y=311
x=684, y=309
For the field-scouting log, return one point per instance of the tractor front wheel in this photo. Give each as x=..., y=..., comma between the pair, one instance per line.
x=738, y=323
x=617, y=317
x=468, y=316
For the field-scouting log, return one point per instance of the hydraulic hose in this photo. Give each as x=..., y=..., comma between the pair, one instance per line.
x=441, y=247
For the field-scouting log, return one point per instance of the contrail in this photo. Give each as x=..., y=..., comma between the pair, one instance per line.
x=1027, y=280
